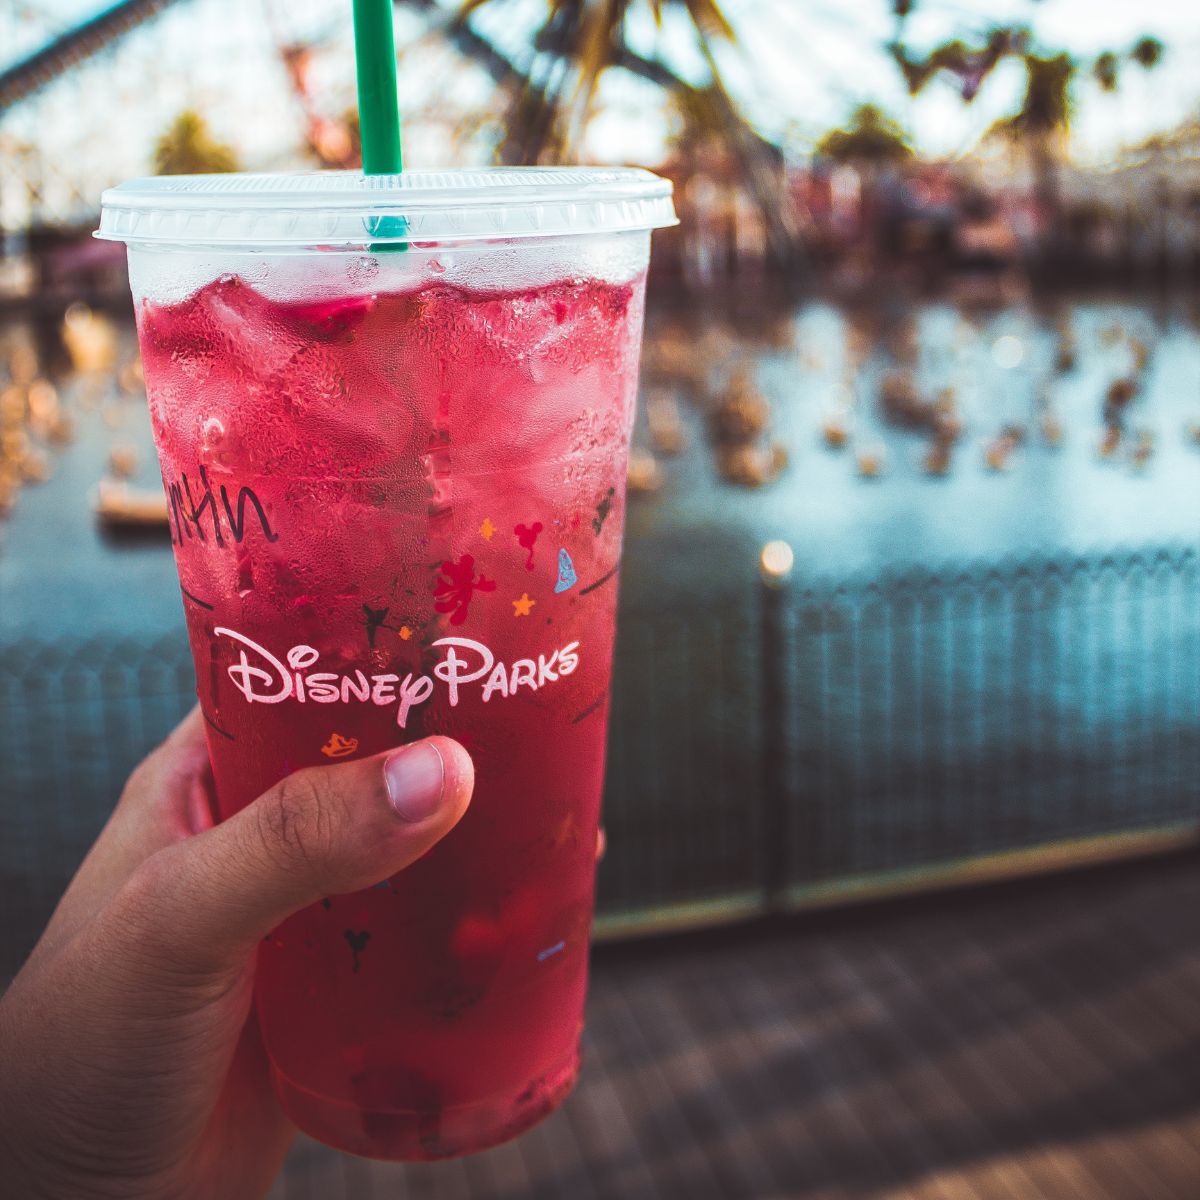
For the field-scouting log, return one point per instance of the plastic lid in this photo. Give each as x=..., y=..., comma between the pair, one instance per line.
x=347, y=208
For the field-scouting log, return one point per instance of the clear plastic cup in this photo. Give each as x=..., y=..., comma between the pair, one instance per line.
x=393, y=416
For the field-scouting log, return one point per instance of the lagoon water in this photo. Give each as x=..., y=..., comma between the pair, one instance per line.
x=59, y=575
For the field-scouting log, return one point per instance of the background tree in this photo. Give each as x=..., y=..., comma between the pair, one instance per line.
x=871, y=138
x=188, y=148
x=551, y=102
x=1041, y=125
x=574, y=45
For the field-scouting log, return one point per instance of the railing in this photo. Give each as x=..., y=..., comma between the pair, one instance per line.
x=775, y=745
x=814, y=740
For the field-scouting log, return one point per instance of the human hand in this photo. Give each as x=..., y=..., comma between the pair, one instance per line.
x=132, y=1066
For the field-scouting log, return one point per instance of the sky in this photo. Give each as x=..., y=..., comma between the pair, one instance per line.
x=820, y=57
x=801, y=67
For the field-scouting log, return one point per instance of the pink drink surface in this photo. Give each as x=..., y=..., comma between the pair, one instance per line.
x=398, y=515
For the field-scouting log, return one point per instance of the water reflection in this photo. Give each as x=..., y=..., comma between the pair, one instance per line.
x=865, y=433
x=929, y=429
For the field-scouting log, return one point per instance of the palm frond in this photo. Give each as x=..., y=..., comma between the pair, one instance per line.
x=552, y=98
x=467, y=7
x=709, y=18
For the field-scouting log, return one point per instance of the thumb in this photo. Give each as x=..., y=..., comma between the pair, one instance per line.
x=319, y=832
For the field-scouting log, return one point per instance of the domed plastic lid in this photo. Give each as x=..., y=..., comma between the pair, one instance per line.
x=347, y=208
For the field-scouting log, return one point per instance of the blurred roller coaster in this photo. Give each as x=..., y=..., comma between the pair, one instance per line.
x=71, y=98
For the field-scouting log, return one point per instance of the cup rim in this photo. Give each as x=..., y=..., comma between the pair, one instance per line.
x=347, y=208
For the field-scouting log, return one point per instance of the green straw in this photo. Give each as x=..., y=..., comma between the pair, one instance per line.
x=378, y=108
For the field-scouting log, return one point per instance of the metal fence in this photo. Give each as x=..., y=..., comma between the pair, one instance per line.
x=813, y=738
x=946, y=716
x=766, y=746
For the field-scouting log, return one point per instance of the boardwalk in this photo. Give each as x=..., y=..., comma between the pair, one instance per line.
x=1033, y=1042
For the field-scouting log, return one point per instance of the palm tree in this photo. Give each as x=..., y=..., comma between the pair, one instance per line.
x=189, y=148
x=1041, y=125
x=1042, y=122
x=551, y=102
x=872, y=137
x=575, y=44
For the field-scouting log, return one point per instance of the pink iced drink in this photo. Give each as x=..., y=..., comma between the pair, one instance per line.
x=396, y=515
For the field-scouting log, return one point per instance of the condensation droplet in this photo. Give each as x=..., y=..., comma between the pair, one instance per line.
x=214, y=433
x=364, y=272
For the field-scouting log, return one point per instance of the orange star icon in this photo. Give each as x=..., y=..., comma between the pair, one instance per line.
x=405, y=633
x=487, y=529
x=522, y=607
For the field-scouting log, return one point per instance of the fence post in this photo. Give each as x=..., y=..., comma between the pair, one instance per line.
x=775, y=566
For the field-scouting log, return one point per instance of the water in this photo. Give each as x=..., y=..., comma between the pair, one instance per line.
x=1052, y=501
x=59, y=574
x=698, y=534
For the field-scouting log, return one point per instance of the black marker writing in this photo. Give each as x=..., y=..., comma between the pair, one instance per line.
x=190, y=512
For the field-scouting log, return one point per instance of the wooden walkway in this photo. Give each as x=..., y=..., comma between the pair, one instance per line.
x=1031, y=1041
